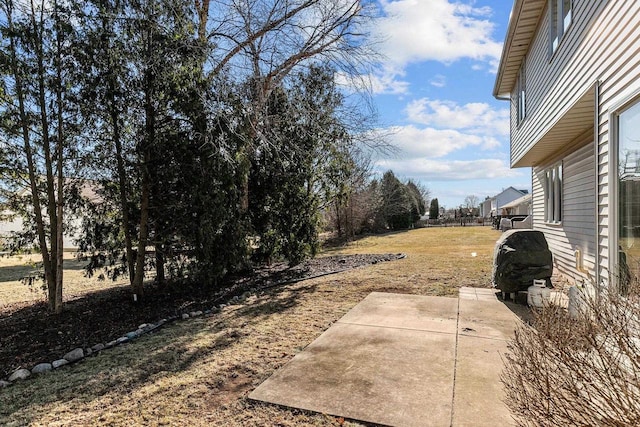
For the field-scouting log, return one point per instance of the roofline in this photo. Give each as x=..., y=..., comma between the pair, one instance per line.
x=506, y=46
x=524, y=22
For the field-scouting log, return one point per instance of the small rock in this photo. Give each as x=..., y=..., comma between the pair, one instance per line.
x=144, y=325
x=185, y=316
x=342, y=261
x=111, y=344
x=131, y=335
x=88, y=352
x=60, y=362
x=41, y=368
x=222, y=306
x=207, y=312
x=195, y=313
x=121, y=340
x=74, y=355
x=215, y=309
x=4, y=383
x=98, y=347
x=20, y=374
x=162, y=321
x=152, y=327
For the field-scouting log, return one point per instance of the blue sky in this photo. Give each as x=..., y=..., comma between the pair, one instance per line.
x=434, y=94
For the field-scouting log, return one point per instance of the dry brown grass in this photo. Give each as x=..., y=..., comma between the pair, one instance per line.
x=13, y=290
x=199, y=372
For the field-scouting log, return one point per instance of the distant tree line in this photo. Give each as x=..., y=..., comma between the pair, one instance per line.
x=376, y=206
x=210, y=134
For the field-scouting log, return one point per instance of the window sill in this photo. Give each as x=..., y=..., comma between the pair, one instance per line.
x=555, y=224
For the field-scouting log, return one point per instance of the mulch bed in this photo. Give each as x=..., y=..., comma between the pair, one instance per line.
x=30, y=334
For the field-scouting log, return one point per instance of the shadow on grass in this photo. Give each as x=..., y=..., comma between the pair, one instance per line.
x=12, y=273
x=337, y=244
x=169, y=353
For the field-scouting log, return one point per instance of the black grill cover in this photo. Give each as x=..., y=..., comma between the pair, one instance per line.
x=519, y=257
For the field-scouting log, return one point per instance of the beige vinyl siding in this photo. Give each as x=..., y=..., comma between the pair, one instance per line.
x=577, y=230
x=602, y=45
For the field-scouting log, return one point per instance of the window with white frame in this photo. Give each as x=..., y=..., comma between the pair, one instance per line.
x=521, y=105
x=560, y=16
x=627, y=125
x=553, y=194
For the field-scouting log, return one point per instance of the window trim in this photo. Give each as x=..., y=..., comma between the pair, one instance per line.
x=560, y=21
x=521, y=92
x=553, y=197
x=625, y=102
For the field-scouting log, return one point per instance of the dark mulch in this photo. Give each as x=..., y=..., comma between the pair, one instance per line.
x=30, y=334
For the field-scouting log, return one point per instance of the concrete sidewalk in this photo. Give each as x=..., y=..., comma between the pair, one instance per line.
x=405, y=360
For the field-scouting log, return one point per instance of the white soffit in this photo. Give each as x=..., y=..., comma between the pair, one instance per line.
x=575, y=121
x=522, y=28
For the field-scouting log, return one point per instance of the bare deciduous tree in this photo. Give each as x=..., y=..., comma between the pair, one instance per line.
x=471, y=202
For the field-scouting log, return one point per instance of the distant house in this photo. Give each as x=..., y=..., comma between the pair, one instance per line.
x=519, y=206
x=11, y=223
x=571, y=71
x=493, y=206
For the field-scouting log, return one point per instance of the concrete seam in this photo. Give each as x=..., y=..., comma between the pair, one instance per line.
x=455, y=367
x=398, y=327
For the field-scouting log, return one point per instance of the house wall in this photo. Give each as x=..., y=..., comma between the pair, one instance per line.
x=507, y=196
x=577, y=230
x=7, y=227
x=485, y=209
x=71, y=235
x=521, y=209
x=602, y=45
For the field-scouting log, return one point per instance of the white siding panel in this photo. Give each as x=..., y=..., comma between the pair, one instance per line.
x=578, y=227
x=602, y=44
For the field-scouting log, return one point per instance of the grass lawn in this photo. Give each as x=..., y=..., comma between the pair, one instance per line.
x=199, y=371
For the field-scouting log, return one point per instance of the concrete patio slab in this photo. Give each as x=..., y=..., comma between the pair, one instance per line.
x=478, y=390
x=379, y=375
x=438, y=314
x=486, y=319
x=404, y=360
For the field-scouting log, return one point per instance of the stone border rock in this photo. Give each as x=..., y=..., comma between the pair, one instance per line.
x=79, y=354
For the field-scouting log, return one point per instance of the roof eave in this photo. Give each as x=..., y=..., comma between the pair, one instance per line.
x=525, y=33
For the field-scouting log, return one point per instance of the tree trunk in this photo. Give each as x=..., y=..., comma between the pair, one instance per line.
x=35, y=197
x=138, y=279
x=46, y=145
x=60, y=159
x=145, y=149
x=203, y=15
x=160, y=276
x=122, y=181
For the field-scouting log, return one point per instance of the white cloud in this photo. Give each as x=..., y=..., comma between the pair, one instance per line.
x=458, y=170
x=382, y=82
x=477, y=117
x=438, y=80
x=414, y=142
x=388, y=83
x=438, y=30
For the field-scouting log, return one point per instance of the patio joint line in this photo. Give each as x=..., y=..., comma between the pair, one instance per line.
x=455, y=367
x=401, y=328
